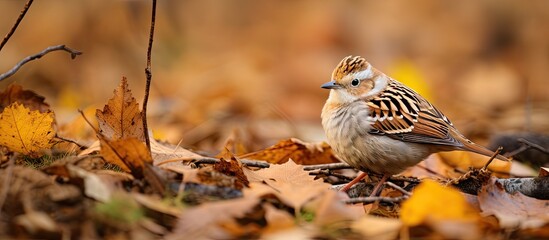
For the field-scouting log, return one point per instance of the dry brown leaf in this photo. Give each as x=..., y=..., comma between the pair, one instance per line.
x=294, y=186
x=512, y=210
x=329, y=208
x=26, y=131
x=121, y=117
x=230, y=166
x=29, y=99
x=206, y=220
x=543, y=172
x=300, y=152
x=372, y=227
x=94, y=186
x=130, y=154
x=165, y=155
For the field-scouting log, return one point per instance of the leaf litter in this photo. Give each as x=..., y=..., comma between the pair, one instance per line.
x=127, y=191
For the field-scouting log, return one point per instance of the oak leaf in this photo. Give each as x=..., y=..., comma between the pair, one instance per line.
x=30, y=99
x=26, y=131
x=300, y=152
x=121, y=117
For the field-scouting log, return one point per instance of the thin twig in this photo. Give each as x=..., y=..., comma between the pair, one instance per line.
x=533, y=145
x=14, y=27
x=81, y=146
x=368, y=200
x=396, y=187
x=492, y=158
x=247, y=162
x=12, y=71
x=330, y=166
x=148, y=74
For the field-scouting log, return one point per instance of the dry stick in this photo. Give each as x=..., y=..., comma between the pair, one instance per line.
x=330, y=166
x=492, y=158
x=368, y=200
x=12, y=71
x=533, y=145
x=396, y=187
x=14, y=27
x=148, y=73
x=247, y=162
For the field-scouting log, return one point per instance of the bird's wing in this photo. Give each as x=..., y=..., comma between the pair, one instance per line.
x=401, y=113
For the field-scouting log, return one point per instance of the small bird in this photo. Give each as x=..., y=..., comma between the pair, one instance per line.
x=375, y=123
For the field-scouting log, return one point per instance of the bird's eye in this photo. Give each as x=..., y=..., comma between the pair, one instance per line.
x=355, y=82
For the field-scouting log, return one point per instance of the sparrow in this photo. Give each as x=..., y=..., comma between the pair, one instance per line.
x=375, y=123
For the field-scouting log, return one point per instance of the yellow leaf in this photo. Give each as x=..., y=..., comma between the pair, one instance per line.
x=405, y=72
x=432, y=202
x=26, y=131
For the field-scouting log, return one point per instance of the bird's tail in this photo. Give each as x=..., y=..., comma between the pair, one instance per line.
x=468, y=145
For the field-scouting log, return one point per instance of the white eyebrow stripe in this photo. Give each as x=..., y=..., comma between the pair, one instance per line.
x=364, y=74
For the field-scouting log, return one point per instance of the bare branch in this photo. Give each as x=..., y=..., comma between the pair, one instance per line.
x=533, y=145
x=148, y=73
x=16, y=68
x=247, y=162
x=330, y=166
x=368, y=200
x=19, y=19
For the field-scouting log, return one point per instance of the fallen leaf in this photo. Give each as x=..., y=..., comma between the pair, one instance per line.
x=37, y=221
x=300, y=152
x=94, y=186
x=26, y=131
x=543, y=172
x=121, y=117
x=206, y=220
x=29, y=99
x=465, y=160
x=229, y=165
x=294, y=186
x=130, y=154
x=512, y=210
x=431, y=202
x=170, y=155
x=329, y=209
x=371, y=227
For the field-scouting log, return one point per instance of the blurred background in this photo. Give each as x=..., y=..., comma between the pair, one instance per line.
x=249, y=72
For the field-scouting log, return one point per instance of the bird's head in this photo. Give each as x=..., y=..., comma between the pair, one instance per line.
x=354, y=78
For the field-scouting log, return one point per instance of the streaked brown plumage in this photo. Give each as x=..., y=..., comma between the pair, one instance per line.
x=376, y=123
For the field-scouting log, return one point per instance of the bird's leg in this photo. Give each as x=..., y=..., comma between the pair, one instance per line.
x=351, y=183
x=379, y=184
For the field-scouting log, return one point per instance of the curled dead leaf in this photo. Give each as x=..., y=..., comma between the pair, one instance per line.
x=300, y=152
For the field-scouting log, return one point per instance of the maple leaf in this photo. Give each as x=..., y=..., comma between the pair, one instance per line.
x=293, y=185
x=121, y=117
x=30, y=99
x=26, y=131
x=300, y=152
x=130, y=154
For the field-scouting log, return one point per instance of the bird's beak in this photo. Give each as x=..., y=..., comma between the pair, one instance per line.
x=331, y=85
